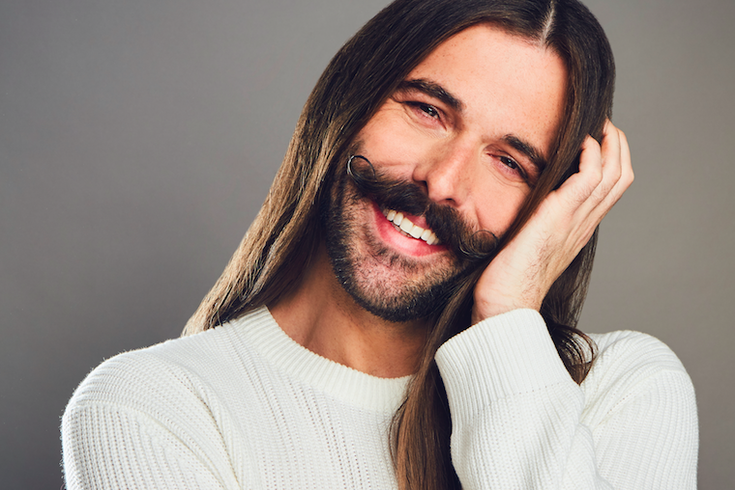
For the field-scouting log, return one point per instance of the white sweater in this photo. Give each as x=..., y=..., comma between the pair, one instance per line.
x=243, y=406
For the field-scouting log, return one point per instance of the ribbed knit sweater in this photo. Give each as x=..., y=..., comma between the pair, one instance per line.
x=243, y=406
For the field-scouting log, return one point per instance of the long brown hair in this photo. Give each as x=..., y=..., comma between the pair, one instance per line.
x=285, y=234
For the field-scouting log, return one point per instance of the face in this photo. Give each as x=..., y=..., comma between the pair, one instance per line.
x=471, y=126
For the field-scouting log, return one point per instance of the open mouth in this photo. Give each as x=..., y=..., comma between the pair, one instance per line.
x=405, y=225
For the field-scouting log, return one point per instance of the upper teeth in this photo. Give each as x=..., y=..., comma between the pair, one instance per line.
x=415, y=231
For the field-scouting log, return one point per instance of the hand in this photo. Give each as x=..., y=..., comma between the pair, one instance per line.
x=523, y=272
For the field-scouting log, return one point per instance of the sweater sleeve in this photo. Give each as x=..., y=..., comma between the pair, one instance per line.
x=136, y=423
x=520, y=421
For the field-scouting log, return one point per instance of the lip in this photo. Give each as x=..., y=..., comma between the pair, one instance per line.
x=398, y=241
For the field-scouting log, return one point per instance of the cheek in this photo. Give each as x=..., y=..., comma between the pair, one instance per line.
x=498, y=206
x=394, y=146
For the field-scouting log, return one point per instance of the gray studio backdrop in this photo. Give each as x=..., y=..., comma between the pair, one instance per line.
x=138, y=139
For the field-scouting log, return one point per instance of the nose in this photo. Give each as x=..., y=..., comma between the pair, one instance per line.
x=446, y=173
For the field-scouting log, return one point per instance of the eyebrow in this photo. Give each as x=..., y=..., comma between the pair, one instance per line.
x=531, y=152
x=431, y=89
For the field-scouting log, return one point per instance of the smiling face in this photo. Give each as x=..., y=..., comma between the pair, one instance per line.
x=472, y=126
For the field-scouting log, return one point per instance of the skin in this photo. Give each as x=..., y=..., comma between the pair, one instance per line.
x=454, y=128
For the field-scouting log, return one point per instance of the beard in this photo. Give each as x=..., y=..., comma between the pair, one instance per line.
x=390, y=285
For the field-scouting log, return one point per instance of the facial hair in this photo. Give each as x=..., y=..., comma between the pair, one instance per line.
x=395, y=296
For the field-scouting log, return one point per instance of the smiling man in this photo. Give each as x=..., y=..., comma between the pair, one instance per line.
x=402, y=313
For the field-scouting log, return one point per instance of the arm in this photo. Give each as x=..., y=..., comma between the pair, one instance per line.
x=519, y=421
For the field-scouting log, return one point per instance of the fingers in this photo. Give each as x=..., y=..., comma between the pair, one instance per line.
x=616, y=164
x=611, y=152
x=605, y=170
x=591, y=164
x=626, y=177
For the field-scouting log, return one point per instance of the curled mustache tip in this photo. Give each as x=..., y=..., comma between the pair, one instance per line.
x=356, y=176
x=481, y=247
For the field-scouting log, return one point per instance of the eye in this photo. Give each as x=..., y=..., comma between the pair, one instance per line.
x=430, y=110
x=509, y=162
x=514, y=166
x=427, y=109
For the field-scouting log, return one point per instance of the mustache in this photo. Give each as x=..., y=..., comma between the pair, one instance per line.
x=409, y=198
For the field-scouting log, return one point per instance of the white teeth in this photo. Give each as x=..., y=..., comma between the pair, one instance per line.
x=407, y=227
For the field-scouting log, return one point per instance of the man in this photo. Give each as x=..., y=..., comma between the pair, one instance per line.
x=402, y=311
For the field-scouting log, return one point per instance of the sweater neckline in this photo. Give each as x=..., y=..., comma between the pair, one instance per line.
x=339, y=381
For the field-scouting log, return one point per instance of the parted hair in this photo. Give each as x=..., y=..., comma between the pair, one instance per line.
x=284, y=236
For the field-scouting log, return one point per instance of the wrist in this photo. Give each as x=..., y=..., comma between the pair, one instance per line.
x=482, y=310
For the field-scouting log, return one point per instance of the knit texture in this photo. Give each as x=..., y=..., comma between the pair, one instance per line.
x=243, y=406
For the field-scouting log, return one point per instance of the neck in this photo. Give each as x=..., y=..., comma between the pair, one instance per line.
x=320, y=315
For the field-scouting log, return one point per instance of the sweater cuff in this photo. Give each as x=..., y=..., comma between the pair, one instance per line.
x=501, y=356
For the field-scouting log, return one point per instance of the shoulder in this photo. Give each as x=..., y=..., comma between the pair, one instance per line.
x=638, y=396
x=165, y=409
x=179, y=372
x=628, y=352
x=141, y=380
x=634, y=370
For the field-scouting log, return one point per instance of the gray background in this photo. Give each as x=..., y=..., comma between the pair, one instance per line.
x=137, y=141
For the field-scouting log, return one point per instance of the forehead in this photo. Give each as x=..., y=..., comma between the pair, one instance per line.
x=504, y=83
